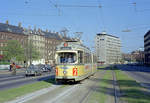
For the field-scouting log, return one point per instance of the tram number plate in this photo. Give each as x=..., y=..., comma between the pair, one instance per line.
x=64, y=77
x=65, y=48
x=64, y=67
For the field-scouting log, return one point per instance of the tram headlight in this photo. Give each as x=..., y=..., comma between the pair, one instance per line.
x=65, y=72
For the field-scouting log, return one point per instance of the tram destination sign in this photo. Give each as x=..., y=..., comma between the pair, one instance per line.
x=65, y=48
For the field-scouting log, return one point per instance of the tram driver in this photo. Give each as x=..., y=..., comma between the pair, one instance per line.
x=68, y=58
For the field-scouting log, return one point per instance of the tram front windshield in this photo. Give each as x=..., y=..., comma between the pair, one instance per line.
x=66, y=57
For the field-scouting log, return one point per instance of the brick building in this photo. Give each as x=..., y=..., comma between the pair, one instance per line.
x=44, y=41
x=10, y=32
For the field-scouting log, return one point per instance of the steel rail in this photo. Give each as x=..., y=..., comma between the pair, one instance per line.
x=85, y=98
x=115, y=87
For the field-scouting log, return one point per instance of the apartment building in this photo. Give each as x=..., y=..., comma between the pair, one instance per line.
x=45, y=42
x=10, y=32
x=51, y=42
x=107, y=48
x=147, y=47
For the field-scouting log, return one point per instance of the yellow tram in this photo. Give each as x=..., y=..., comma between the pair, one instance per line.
x=74, y=62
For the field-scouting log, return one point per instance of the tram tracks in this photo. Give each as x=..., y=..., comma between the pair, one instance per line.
x=77, y=93
x=113, y=85
x=92, y=88
x=111, y=91
x=116, y=88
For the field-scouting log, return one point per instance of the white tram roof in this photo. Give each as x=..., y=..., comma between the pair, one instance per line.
x=72, y=45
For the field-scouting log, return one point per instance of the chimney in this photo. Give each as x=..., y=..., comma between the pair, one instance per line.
x=57, y=33
x=7, y=22
x=39, y=30
x=47, y=30
x=29, y=27
x=65, y=35
x=34, y=27
x=19, y=24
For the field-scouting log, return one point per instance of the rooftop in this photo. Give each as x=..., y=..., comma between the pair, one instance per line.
x=11, y=28
x=104, y=33
x=25, y=31
x=148, y=33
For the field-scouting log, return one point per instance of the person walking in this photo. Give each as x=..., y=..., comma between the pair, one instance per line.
x=13, y=69
x=10, y=67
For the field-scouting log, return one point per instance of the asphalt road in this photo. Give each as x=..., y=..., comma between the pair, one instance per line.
x=140, y=73
x=8, y=81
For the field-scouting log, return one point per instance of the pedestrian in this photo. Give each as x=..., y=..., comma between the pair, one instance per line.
x=13, y=69
x=10, y=67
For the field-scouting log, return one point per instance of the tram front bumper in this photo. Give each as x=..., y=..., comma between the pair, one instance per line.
x=65, y=77
x=76, y=78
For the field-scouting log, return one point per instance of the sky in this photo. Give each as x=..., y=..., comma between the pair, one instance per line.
x=114, y=16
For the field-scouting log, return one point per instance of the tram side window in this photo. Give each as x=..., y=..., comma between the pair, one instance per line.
x=80, y=56
x=95, y=59
x=87, y=58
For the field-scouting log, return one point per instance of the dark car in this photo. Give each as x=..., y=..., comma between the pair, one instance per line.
x=46, y=68
x=33, y=70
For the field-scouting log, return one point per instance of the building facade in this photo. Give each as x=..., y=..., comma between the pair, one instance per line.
x=138, y=56
x=9, y=32
x=44, y=42
x=147, y=47
x=107, y=48
x=38, y=42
x=51, y=42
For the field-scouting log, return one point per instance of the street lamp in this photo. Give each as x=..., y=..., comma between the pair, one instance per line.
x=126, y=30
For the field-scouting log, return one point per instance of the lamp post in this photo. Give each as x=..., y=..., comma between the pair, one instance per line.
x=29, y=47
x=30, y=51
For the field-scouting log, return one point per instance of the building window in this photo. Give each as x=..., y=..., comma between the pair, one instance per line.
x=101, y=39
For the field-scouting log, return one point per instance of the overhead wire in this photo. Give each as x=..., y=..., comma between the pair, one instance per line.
x=56, y=6
x=22, y=14
x=101, y=14
x=137, y=10
x=76, y=6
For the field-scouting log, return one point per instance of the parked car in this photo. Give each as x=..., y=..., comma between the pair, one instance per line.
x=46, y=68
x=33, y=70
x=18, y=66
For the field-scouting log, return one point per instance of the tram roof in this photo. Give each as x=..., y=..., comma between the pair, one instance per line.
x=72, y=45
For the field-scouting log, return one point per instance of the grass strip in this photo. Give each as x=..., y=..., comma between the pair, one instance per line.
x=10, y=94
x=101, y=67
x=131, y=91
x=99, y=95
